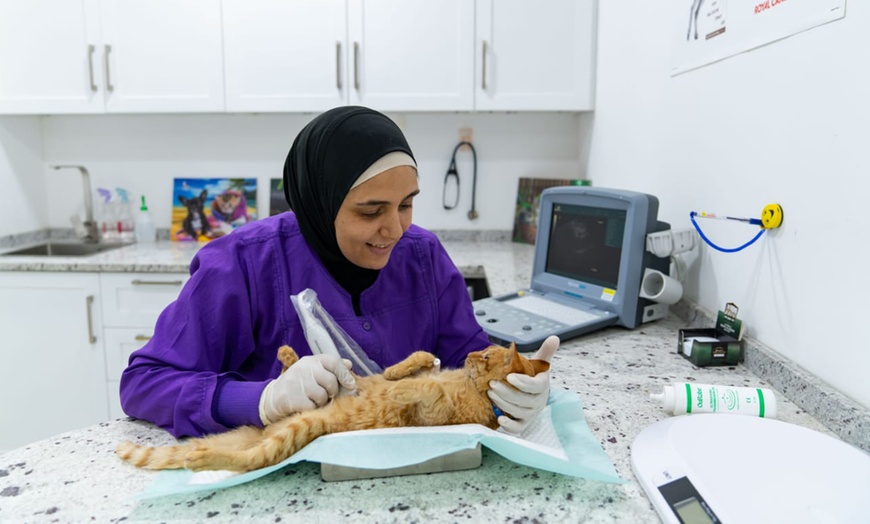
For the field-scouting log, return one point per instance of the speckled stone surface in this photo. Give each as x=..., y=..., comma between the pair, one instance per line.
x=75, y=477
x=849, y=420
x=160, y=257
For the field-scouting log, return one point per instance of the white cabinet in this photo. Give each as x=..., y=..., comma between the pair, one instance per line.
x=52, y=377
x=535, y=55
x=124, y=56
x=120, y=343
x=162, y=56
x=411, y=55
x=132, y=56
x=131, y=304
x=287, y=55
x=66, y=340
x=137, y=299
x=49, y=57
x=312, y=55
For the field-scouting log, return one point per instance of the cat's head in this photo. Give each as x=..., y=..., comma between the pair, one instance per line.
x=497, y=362
x=228, y=201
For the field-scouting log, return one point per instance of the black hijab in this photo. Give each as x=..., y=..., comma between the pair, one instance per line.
x=327, y=157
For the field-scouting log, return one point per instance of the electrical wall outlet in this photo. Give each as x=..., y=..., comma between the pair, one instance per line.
x=399, y=119
x=466, y=134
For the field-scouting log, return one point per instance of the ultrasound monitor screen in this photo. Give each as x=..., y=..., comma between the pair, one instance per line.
x=586, y=244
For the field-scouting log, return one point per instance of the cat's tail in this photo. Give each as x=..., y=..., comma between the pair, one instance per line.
x=149, y=457
x=243, y=449
x=285, y=438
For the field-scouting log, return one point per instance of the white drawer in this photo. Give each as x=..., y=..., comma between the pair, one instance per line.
x=137, y=299
x=119, y=343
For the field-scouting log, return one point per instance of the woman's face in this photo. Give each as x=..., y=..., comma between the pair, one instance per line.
x=375, y=215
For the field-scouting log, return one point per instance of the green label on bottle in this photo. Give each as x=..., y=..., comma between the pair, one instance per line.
x=688, y=398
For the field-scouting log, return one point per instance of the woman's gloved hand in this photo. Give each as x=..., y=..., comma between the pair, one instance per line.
x=307, y=384
x=523, y=397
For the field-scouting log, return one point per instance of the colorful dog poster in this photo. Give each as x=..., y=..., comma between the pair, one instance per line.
x=207, y=208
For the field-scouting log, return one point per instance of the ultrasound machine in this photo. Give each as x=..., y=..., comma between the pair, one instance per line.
x=590, y=259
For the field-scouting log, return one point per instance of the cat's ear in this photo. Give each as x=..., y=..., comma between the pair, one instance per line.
x=519, y=364
x=540, y=366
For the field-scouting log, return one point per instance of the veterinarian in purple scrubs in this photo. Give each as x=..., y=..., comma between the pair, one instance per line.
x=351, y=180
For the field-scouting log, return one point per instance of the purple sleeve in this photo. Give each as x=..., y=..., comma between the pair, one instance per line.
x=183, y=378
x=458, y=333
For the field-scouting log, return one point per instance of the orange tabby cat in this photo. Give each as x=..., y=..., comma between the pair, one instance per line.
x=409, y=393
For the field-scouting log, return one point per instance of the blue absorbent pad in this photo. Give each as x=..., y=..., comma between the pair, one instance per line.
x=558, y=440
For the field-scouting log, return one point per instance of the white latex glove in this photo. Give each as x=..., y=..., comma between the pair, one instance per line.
x=528, y=396
x=307, y=384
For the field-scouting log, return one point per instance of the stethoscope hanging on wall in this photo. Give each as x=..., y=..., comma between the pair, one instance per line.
x=451, y=182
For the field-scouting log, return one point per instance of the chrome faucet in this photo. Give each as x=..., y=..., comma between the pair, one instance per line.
x=91, y=232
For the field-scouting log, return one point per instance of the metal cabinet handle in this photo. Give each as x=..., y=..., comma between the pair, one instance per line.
x=356, y=65
x=338, y=65
x=138, y=282
x=483, y=62
x=109, y=86
x=91, y=50
x=89, y=301
x=141, y=338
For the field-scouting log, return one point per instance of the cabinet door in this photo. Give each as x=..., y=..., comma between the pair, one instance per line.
x=49, y=57
x=411, y=55
x=120, y=343
x=285, y=55
x=53, y=374
x=535, y=55
x=162, y=55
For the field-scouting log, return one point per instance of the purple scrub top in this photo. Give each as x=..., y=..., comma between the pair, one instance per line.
x=214, y=348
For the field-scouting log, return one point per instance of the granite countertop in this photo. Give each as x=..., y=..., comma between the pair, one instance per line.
x=159, y=257
x=75, y=476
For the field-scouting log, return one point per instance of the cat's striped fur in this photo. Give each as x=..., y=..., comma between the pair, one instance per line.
x=410, y=393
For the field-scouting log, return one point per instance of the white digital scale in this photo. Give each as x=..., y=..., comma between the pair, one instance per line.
x=711, y=468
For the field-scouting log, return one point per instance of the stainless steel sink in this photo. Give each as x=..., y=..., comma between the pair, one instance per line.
x=64, y=249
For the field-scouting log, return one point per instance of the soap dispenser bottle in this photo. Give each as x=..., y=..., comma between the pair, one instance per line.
x=145, y=232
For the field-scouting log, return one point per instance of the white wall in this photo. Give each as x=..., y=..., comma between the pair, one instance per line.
x=21, y=176
x=787, y=124
x=143, y=153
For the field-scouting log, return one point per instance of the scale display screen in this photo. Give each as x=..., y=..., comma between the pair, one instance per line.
x=688, y=505
x=691, y=511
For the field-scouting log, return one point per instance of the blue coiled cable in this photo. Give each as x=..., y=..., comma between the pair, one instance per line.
x=725, y=249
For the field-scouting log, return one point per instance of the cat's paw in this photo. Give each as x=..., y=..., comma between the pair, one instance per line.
x=202, y=458
x=394, y=373
x=417, y=362
x=196, y=459
x=287, y=357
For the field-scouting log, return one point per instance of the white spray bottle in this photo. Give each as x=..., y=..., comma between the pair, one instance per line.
x=685, y=397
